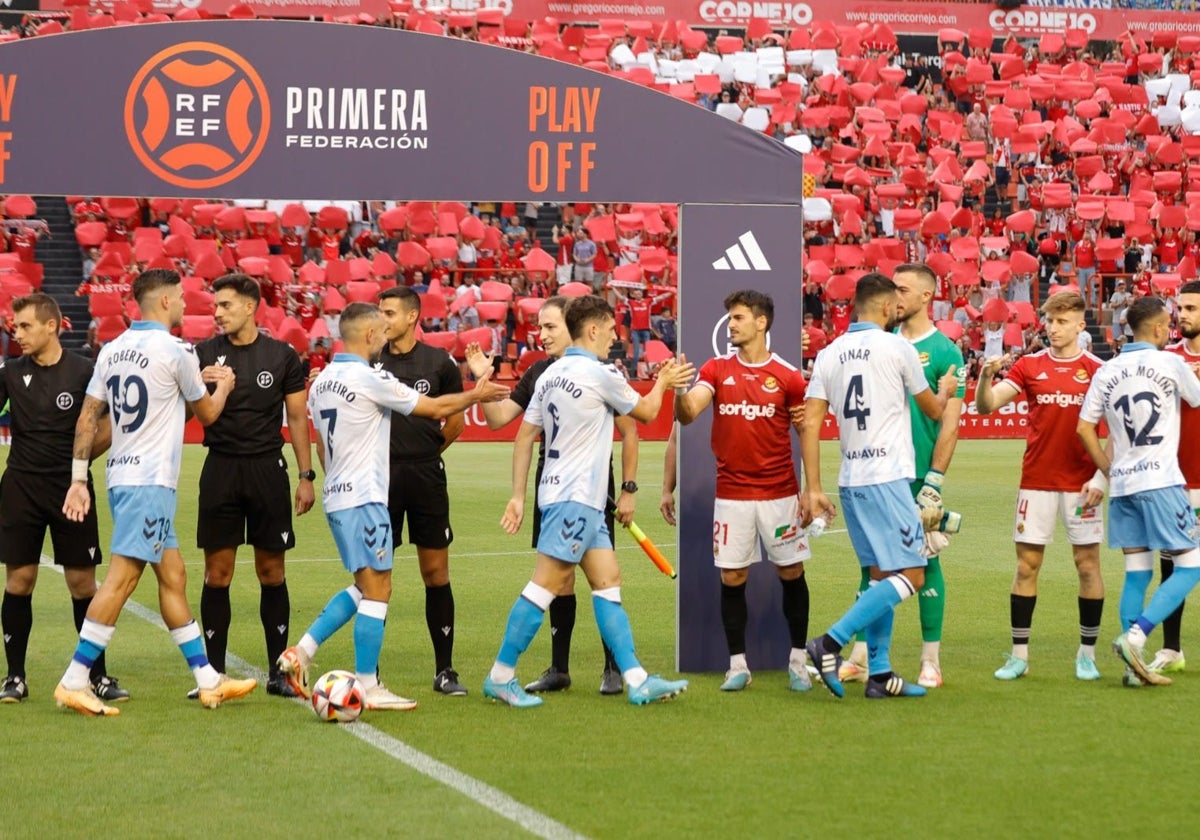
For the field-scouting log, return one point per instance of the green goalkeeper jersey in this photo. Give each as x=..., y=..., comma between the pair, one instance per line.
x=937, y=354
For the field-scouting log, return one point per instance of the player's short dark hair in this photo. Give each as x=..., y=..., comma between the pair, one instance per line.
x=1142, y=311
x=1192, y=287
x=584, y=310
x=759, y=303
x=920, y=269
x=151, y=281
x=355, y=312
x=408, y=299
x=241, y=284
x=559, y=302
x=1064, y=302
x=870, y=287
x=45, y=308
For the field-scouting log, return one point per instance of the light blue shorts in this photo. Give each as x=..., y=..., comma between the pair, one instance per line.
x=143, y=521
x=1155, y=519
x=569, y=529
x=884, y=527
x=363, y=536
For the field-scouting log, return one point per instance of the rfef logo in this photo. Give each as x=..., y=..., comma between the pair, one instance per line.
x=197, y=115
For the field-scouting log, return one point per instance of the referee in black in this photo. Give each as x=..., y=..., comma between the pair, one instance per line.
x=46, y=387
x=417, y=489
x=245, y=495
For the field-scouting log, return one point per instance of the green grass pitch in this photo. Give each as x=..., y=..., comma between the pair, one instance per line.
x=1045, y=756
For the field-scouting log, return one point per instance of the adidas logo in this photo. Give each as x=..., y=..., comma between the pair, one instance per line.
x=220, y=360
x=743, y=255
x=27, y=378
x=1043, y=375
x=446, y=631
x=729, y=380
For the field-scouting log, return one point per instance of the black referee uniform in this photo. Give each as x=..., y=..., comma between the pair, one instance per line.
x=45, y=401
x=417, y=487
x=245, y=495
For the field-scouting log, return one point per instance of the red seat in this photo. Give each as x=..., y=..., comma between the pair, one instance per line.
x=106, y=304
x=492, y=310
x=443, y=340
x=198, y=328
x=528, y=360
x=433, y=304
x=361, y=292
x=480, y=335
x=495, y=290
x=199, y=303
x=109, y=328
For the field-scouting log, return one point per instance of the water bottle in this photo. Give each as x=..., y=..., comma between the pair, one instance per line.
x=817, y=527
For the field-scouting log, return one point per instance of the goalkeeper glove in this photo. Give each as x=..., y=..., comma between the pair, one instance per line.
x=930, y=496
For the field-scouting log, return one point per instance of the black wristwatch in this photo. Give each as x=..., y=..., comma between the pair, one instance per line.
x=308, y=475
x=629, y=486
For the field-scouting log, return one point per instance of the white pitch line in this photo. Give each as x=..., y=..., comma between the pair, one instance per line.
x=494, y=799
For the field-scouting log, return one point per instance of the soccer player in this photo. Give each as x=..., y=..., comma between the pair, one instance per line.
x=417, y=490
x=1169, y=659
x=148, y=379
x=552, y=333
x=1055, y=473
x=575, y=401
x=351, y=403
x=933, y=443
x=751, y=391
x=244, y=490
x=864, y=376
x=45, y=386
x=1138, y=393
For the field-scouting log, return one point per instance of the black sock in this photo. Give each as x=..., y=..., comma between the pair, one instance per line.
x=215, y=616
x=79, y=608
x=562, y=625
x=16, y=614
x=610, y=662
x=274, y=610
x=795, y=609
x=439, y=616
x=734, y=615
x=1020, y=609
x=830, y=644
x=1173, y=623
x=1090, y=610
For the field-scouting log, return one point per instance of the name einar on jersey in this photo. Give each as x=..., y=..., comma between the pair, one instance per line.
x=336, y=388
x=1060, y=399
x=130, y=355
x=562, y=383
x=749, y=410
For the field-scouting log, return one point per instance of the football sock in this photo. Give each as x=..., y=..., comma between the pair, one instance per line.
x=187, y=638
x=879, y=642
x=16, y=616
x=737, y=662
x=524, y=620
x=864, y=582
x=215, y=615
x=932, y=601
x=1169, y=596
x=79, y=608
x=368, y=639
x=340, y=609
x=798, y=660
x=93, y=639
x=1173, y=623
x=439, y=617
x=1020, y=611
x=870, y=606
x=931, y=652
x=617, y=634
x=562, y=625
x=795, y=610
x=734, y=615
x=1138, y=572
x=275, y=611
x=1090, y=611
x=858, y=653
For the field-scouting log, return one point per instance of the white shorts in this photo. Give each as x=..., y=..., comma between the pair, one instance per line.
x=739, y=524
x=941, y=310
x=1038, y=510
x=562, y=274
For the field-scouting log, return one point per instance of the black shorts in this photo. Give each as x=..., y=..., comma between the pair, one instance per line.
x=29, y=504
x=417, y=492
x=245, y=500
x=610, y=518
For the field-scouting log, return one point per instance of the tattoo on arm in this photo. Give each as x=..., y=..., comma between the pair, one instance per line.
x=85, y=427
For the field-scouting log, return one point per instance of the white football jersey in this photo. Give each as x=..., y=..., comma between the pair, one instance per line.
x=1138, y=393
x=866, y=375
x=147, y=376
x=351, y=404
x=574, y=402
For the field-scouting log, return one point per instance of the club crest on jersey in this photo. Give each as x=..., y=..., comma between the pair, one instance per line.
x=265, y=379
x=64, y=401
x=770, y=385
x=421, y=386
x=1081, y=375
x=924, y=358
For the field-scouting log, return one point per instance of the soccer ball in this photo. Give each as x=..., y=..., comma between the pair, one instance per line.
x=337, y=697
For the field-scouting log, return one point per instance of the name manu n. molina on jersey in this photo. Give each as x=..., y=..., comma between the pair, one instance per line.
x=384, y=118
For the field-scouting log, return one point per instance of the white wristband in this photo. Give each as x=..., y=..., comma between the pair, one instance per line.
x=1100, y=481
x=79, y=469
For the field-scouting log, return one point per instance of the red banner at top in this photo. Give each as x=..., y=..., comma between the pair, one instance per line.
x=920, y=18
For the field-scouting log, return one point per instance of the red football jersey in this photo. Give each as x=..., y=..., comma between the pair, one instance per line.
x=1189, y=429
x=1054, y=456
x=751, y=429
x=839, y=315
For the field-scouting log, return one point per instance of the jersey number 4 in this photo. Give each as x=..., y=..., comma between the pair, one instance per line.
x=855, y=407
x=128, y=401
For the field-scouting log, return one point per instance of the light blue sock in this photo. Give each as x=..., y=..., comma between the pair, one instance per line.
x=340, y=609
x=1133, y=596
x=613, y=622
x=869, y=608
x=524, y=620
x=368, y=635
x=879, y=643
x=1169, y=595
